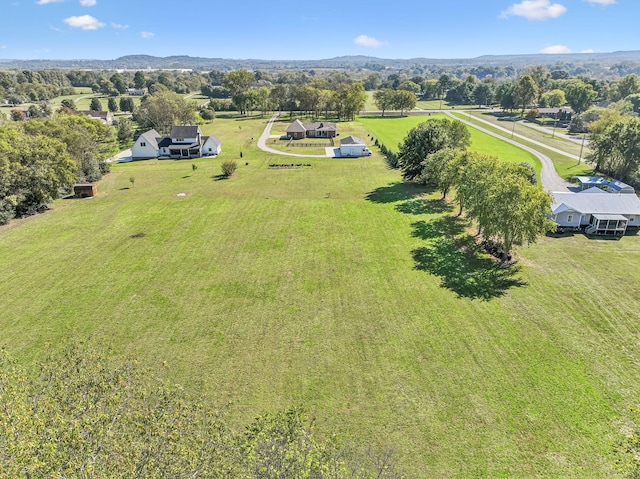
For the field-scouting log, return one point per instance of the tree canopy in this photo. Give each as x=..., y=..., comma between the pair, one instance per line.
x=427, y=138
x=88, y=413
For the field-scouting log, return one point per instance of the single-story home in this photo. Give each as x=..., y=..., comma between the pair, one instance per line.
x=354, y=147
x=182, y=142
x=563, y=113
x=596, y=210
x=136, y=91
x=319, y=129
x=105, y=117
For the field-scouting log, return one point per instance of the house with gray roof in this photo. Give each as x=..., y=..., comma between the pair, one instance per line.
x=595, y=210
x=298, y=130
x=183, y=142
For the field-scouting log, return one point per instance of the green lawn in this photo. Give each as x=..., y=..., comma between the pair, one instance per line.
x=565, y=166
x=392, y=130
x=341, y=289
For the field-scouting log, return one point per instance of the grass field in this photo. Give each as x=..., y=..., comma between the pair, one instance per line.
x=392, y=130
x=565, y=166
x=341, y=289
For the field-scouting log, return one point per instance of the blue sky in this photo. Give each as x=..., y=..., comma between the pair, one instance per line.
x=107, y=29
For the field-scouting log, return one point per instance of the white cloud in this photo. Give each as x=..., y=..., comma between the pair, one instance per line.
x=2, y=47
x=119, y=26
x=147, y=35
x=555, y=49
x=602, y=2
x=534, y=10
x=44, y=2
x=84, y=22
x=367, y=41
x=588, y=50
x=88, y=3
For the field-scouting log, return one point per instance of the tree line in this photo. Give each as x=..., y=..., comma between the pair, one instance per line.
x=503, y=199
x=42, y=158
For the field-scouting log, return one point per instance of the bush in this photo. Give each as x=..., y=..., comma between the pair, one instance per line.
x=229, y=167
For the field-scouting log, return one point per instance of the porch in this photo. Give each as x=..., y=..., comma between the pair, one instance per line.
x=615, y=225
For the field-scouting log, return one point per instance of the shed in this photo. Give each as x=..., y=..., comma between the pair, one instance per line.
x=590, y=181
x=353, y=146
x=617, y=186
x=85, y=190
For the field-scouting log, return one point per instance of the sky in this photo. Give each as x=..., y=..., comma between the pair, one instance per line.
x=251, y=29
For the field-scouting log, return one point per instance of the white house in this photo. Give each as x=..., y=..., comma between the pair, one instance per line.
x=182, y=142
x=597, y=211
x=146, y=145
x=352, y=146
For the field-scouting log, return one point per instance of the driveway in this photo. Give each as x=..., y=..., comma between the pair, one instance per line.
x=550, y=180
x=122, y=157
x=266, y=134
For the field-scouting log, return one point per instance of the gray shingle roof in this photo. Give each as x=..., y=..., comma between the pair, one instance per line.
x=351, y=140
x=151, y=137
x=186, y=131
x=295, y=127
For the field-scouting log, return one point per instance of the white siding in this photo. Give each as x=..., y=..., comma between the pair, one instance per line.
x=146, y=151
x=211, y=147
x=354, y=150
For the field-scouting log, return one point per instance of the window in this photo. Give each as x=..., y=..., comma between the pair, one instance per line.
x=179, y=139
x=210, y=150
x=570, y=219
x=143, y=144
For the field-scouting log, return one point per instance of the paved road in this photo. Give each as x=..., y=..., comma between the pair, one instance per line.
x=551, y=181
x=266, y=134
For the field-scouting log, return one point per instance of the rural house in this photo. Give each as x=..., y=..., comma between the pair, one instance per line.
x=595, y=210
x=105, y=117
x=182, y=142
x=298, y=130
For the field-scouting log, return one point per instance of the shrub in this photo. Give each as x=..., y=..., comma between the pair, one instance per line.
x=229, y=167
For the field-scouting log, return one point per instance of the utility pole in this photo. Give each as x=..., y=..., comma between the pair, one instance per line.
x=581, y=148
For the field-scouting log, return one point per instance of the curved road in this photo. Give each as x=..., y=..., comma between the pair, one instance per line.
x=266, y=134
x=551, y=181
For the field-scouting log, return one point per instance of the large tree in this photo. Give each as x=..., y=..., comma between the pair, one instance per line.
x=580, y=95
x=616, y=150
x=384, y=99
x=526, y=91
x=427, y=138
x=163, y=110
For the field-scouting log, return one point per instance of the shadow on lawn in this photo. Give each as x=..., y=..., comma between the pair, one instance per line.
x=464, y=267
x=396, y=192
x=422, y=206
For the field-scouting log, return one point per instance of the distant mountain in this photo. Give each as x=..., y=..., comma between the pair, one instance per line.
x=141, y=62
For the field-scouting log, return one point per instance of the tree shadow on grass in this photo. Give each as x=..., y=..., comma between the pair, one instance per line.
x=219, y=177
x=463, y=267
x=420, y=206
x=447, y=226
x=396, y=192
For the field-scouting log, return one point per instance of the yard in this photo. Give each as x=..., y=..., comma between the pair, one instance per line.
x=340, y=288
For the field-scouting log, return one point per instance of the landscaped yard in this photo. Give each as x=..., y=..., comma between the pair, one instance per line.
x=337, y=287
